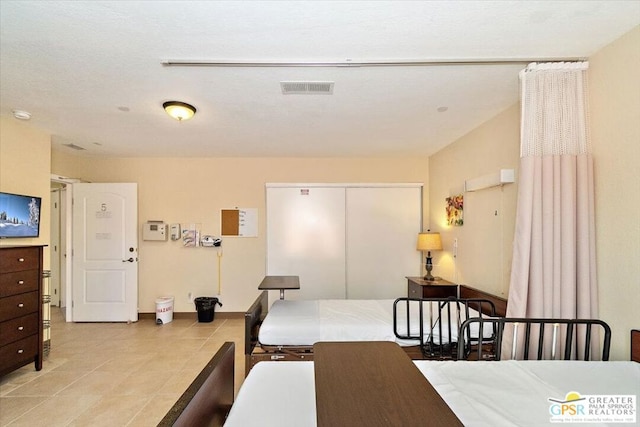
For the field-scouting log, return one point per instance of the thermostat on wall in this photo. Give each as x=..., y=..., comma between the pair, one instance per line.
x=154, y=230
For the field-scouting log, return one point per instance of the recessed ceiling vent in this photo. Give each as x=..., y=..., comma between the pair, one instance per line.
x=74, y=146
x=307, y=88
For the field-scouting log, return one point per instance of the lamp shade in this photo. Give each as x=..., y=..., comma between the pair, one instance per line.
x=179, y=110
x=429, y=242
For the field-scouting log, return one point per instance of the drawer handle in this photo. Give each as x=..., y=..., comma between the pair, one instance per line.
x=20, y=282
x=21, y=328
x=20, y=259
x=20, y=351
x=20, y=305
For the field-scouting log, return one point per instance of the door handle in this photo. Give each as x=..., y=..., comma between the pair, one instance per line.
x=128, y=260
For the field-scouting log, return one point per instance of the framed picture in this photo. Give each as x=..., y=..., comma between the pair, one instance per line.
x=455, y=211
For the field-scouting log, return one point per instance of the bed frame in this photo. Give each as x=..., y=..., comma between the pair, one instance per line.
x=207, y=401
x=499, y=303
x=449, y=309
x=541, y=339
x=254, y=316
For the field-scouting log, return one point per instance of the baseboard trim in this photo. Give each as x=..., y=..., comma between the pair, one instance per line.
x=194, y=315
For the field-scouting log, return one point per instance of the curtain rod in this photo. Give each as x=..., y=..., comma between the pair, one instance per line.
x=348, y=63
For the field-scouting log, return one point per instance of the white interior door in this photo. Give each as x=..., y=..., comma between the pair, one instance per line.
x=105, y=252
x=306, y=238
x=65, y=244
x=382, y=226
x=54, y=249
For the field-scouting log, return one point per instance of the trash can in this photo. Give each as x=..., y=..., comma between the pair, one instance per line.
x=206, y=308
x=164, y=310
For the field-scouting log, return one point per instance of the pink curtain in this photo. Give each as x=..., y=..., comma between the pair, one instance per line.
x=553, y=268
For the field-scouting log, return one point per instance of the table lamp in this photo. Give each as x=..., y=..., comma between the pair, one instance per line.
x=429, y=242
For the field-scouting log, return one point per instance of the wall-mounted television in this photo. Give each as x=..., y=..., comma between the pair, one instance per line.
x=19, y=215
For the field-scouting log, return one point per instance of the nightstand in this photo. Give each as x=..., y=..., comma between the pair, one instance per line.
x=420, y=288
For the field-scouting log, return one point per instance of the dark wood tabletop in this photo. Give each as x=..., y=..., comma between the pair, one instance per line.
x=374, y=384
x=282, y=283
x=270, y=283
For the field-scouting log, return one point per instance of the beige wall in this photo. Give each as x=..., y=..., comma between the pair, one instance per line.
x=25, y=165
x=485, y=240
x=186, y=190
x=615, y=126
x=614, y=88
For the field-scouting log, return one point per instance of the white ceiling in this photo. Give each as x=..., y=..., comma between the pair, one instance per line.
x=75, y=65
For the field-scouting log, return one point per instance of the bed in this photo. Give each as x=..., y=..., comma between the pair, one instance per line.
x=478, y=393
x=426, y=328
x=481, y=393
x=508, y=393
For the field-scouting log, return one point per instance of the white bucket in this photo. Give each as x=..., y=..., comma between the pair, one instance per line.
x=164, y=310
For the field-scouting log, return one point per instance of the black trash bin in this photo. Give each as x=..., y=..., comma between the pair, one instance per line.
x=206, y=308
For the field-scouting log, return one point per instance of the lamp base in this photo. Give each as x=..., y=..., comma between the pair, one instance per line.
x=428, y=266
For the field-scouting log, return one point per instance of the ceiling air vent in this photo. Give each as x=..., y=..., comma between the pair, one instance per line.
x=74, y=146
x=307, y=88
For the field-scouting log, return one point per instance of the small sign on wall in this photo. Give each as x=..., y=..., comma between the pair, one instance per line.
x=242, y=222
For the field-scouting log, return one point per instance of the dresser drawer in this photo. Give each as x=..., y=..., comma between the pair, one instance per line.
x=19, y=259
x=18, y=328
x=19, y=282
x=19, y=305
x=18, y=352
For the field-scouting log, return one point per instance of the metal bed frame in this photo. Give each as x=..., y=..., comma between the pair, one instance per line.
x=450, y=309
x=255, y=352
x=542, y=339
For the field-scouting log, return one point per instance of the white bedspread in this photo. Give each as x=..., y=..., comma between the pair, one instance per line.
x=516, y=393
x=304, y=323
x=508, y=393
x=308, y=322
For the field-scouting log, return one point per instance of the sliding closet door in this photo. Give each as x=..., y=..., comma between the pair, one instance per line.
x=306, y=238
x=382, y=227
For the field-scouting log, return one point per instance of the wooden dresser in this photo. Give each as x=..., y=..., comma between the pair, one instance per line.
x=20, y=307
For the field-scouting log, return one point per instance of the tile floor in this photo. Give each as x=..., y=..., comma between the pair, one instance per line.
x=114, y=374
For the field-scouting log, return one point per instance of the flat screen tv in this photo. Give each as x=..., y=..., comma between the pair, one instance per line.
x=19, y=216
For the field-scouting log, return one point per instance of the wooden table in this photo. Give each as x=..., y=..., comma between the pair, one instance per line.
x=271, y=283
x=374, y=384
x=420, y=288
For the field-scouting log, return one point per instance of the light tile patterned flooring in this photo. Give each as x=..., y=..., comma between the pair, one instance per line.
x=114, y=374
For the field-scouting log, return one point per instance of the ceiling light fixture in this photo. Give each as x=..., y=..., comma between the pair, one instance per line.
x=21, y=114
x=179, y=110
